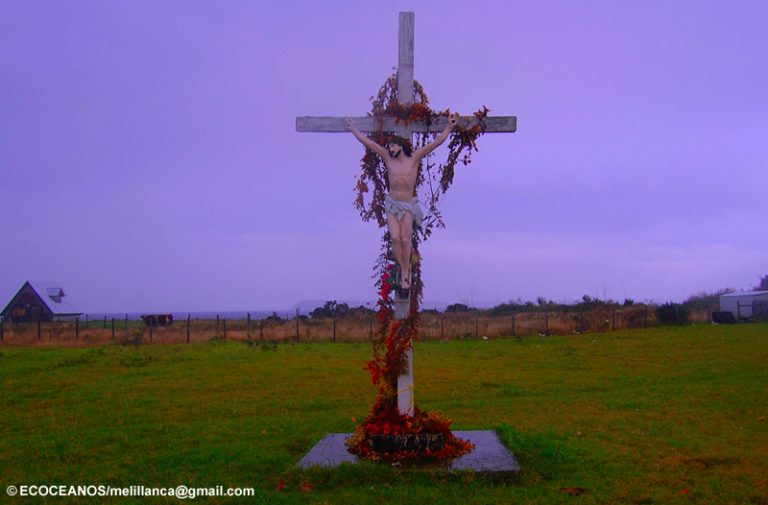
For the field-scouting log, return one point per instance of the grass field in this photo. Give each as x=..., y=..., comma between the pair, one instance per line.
x=665, y=415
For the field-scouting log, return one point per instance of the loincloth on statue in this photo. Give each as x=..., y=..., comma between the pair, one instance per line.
x=399, y=209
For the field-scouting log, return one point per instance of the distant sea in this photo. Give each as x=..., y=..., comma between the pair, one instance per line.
x=305, y=308
x=224, y=314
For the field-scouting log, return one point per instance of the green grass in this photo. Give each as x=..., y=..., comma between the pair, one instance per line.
x=668, y=415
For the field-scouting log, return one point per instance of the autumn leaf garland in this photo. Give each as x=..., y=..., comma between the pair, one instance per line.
x=393, y=337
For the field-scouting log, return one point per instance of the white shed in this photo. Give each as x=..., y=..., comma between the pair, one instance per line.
x=743, y=304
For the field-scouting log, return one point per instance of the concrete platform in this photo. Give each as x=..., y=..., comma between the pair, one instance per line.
x=489, y=454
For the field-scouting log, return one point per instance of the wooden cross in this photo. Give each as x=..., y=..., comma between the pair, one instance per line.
x=368, y=124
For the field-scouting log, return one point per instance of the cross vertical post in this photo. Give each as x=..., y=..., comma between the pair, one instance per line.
x=405, y=50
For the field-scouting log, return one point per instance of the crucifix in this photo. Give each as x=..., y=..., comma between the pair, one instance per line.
x=368, y=124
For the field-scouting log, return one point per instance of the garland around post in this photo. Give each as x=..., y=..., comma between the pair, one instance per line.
x=394, y=337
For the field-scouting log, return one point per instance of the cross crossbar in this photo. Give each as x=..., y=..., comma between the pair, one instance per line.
x=330, y=124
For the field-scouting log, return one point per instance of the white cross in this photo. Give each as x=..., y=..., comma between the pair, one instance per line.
x=368, y=124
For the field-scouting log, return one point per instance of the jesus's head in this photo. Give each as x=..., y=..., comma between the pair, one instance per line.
x=397, y=145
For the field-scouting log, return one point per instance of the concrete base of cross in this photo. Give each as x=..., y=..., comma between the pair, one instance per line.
x=489, y=455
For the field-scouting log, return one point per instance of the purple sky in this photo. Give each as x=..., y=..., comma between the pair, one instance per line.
x=149, y=161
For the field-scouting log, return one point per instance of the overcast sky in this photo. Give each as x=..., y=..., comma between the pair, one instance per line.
x=149, y=159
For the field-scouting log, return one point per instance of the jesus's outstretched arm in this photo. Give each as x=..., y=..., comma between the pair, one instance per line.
x=370, y=144
x=424, y=151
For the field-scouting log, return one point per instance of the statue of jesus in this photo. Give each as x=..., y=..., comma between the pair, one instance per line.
x=402, y=204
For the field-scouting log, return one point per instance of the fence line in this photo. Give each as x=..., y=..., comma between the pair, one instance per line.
x=433, y=326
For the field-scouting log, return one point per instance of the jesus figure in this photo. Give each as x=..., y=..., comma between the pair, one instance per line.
x=402, y=204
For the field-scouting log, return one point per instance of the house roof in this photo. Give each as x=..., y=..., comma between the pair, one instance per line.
x=54, y=297
x=744, y=293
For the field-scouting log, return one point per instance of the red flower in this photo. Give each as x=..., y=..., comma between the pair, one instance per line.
x=280, y=485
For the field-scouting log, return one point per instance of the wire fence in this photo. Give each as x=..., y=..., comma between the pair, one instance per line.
x=448, y=326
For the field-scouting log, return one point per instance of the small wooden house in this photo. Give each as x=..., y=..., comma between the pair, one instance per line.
x=40, y=301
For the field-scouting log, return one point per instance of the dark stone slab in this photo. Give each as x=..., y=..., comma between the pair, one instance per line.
x=489, y=454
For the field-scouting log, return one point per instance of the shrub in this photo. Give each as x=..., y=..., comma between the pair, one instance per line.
x=505, y=309
x=458, y=307
x=672, y=313
x=705, y=301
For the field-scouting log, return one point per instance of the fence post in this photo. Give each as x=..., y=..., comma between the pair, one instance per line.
x=738, y=310
x=677, y=314
x=105, y=322
x=189, y=316
x=125, y=326
x=334, y=329
x=224, y=321
x=77, y=328
x=113, y=328
x=248, y=327
x=217, y=324
x=297, y=324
